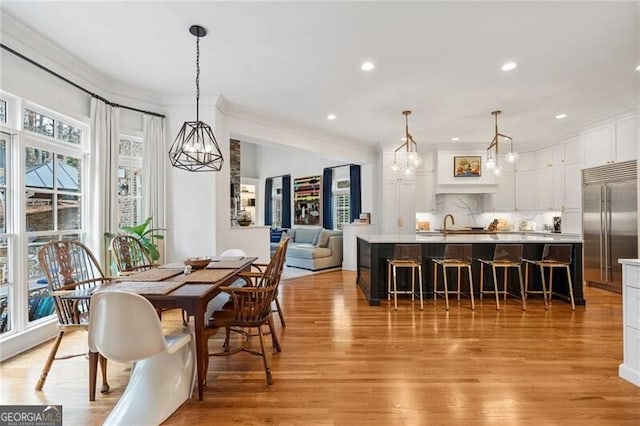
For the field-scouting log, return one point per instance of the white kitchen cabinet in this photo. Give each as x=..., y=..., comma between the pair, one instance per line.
x=504, y=199
x=571, y=147
x=571, y=221
x=626, y=135
x=572, y=182
x=525, y=190
x=544, y=158
x=548, y=188
x=630, y=367
x=597, y=146
x=610, y=143
x=526, y=162
x=424, y=197
x=398, y=207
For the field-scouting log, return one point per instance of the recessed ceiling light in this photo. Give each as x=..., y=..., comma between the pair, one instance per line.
x=638, y=68
x=367, y=66
x=559, y=116
x=455, y=139
x=331, y=117
x=509, y=66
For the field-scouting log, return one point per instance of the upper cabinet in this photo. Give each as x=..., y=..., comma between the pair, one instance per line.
x=610, y=143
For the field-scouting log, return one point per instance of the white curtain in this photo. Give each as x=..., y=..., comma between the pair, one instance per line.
x=154, y=158
x=103, y=167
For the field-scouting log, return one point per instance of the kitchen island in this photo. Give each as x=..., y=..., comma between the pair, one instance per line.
x=374, y=250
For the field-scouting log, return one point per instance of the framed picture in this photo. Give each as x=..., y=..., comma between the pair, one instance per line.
x=467, y=166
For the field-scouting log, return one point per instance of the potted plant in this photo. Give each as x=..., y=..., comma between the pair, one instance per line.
x=244, y=218
x=146, y=235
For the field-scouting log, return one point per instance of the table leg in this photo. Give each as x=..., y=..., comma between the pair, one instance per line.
x=201, y=351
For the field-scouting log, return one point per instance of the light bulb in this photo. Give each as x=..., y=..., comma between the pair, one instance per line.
x=490, y=163
x=511, y=157
x=416, y=161
x=412, y=155
x=496, y=170
x=395, y=167
x=408, y=171
x=208, y=148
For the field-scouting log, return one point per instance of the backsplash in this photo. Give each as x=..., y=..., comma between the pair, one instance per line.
x=468, y=210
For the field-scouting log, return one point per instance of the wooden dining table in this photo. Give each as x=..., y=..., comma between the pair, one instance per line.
x=168, y=287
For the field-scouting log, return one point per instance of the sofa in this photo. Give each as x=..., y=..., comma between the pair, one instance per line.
x=314, y=248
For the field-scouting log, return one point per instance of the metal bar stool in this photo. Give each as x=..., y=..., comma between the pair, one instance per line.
x=405, y=256
x=553, y=256
x=456, y=256
x=505, y=256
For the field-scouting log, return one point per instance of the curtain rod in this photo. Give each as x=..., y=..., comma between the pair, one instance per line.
x=77, y=86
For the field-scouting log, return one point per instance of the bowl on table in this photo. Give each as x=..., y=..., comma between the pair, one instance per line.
x=197, y=262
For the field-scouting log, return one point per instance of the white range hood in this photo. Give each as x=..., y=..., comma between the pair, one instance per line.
x=447, y=182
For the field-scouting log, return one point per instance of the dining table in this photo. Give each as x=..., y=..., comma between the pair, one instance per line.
x=168, y=286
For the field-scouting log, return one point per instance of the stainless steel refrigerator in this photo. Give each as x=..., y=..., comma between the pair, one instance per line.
x=609, y=222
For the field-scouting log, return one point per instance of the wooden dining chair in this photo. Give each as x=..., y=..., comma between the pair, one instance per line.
x=254, y=276
x=72, y=274
x=251, y=310
x=129, y=254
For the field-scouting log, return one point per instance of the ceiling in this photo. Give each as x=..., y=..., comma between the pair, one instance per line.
x=298, y=62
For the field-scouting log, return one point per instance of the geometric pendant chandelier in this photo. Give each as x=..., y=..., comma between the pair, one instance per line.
x=195, y=148
x=491, y=161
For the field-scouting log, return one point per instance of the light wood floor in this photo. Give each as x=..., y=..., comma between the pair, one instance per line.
x=346, y=363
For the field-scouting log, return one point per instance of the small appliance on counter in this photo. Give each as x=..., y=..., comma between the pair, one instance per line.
x=557, y=224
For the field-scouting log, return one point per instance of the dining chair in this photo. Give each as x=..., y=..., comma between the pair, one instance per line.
x=129, y=254
x=72, y=274
x=251, y=310
x=163, y=374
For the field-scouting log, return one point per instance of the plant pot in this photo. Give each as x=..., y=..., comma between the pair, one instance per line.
x=244, y=222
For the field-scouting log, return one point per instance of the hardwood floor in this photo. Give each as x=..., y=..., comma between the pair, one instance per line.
x=346, y=363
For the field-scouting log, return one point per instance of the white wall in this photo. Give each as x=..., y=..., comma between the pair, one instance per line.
x=191, y=197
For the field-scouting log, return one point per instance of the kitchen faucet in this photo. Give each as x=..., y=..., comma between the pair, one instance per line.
x=444, y=223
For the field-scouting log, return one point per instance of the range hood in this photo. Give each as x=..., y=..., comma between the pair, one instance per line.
x=457, y=188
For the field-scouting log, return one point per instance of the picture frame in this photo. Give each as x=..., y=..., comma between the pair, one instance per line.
x=467, y=166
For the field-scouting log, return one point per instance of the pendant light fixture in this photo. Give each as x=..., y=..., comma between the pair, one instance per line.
x=410, y=149
x=195, y=148
x=491, y=161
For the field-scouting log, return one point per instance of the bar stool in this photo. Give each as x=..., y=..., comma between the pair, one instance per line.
x=505, y=256
x=456, y=256
x=553, y=256
x=405, y=256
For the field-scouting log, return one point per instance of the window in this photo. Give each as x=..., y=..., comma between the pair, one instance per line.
x=129, y=181
x=276, y=204
x=3, y=111
x=5, y=259
x=45, y=125
x=341, y=203
x=54, y=195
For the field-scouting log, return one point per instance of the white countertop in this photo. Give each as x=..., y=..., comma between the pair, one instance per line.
x=632, y=262
x=473, y=238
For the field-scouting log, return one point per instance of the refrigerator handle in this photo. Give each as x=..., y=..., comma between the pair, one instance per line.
x=602, y=228
x=607, y=226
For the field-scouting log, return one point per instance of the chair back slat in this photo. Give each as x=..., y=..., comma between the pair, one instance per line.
x=129, y=254
x=560, y=253
x=508, y=253
x=408, y=252
x=457, y=253
x=69, y=265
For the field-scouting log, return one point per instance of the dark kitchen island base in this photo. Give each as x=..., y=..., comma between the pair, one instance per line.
x=374, y=250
